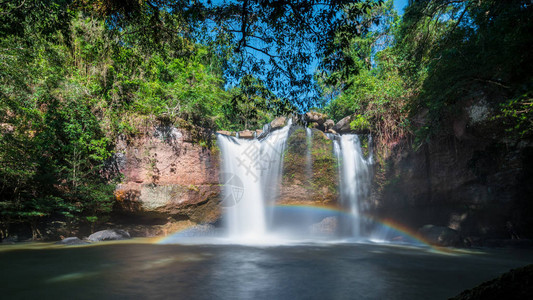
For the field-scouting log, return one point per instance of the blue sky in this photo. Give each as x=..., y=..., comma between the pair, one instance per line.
x=399, y=5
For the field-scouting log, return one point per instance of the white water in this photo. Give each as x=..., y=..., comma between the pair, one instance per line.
x=251, y=171
x=354, y=174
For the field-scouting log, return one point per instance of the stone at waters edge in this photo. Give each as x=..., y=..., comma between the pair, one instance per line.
x=109, y=235
x=72, y=241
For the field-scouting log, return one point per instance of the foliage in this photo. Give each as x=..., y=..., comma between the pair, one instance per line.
x=419, y=72
x=468, y=48
x=372, y=88
x=359, y=123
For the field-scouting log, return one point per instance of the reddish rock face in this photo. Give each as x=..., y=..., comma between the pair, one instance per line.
x=167, y=176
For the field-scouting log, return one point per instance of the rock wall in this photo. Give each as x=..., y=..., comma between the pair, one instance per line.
x=316, y=185
x=475, y=179
x=167, y=177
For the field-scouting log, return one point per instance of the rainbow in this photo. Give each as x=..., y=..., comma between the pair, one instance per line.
x=394, y=226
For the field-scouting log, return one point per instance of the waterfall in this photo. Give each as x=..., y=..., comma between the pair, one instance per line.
x=251, y=174
x=354, y=174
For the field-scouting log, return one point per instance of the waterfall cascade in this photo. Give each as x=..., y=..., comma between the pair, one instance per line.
x=252, y=171
x=354, y=176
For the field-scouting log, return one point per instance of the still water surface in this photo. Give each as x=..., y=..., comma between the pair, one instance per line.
x=132, y=270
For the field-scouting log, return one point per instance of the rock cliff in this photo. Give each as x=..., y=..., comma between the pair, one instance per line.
x=475, y=179
x=167, y=177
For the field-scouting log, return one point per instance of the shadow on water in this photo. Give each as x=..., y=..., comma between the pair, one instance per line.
x=313, y=271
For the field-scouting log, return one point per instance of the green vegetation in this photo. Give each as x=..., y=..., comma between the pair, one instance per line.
x=75, y=75
x=419, y=72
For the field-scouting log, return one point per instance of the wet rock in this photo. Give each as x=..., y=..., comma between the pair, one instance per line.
x=224, y=132
x=72, y=241
x=277, y=123
x=258, y=132
x=515, y=284
x=440, y=236
x=109, y=235
x=328, y=226
x=343, y=126
x=246, y=134
x=328, y=125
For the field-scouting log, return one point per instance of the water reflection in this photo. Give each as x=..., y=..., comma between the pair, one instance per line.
x=346, y=271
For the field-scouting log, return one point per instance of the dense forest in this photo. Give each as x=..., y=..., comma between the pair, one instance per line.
x=77, y=75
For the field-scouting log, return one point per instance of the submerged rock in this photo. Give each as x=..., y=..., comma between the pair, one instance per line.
x=72, y=241
x=440, y=236
x=109, y=235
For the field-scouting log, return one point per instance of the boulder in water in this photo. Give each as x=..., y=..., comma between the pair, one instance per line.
x=440, y=236
x=109, y=235
x=72, y=241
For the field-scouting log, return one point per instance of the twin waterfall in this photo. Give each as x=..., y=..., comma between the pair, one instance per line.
x=251, y=173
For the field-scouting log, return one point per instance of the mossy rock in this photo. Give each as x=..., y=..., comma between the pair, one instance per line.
x=317, y=184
